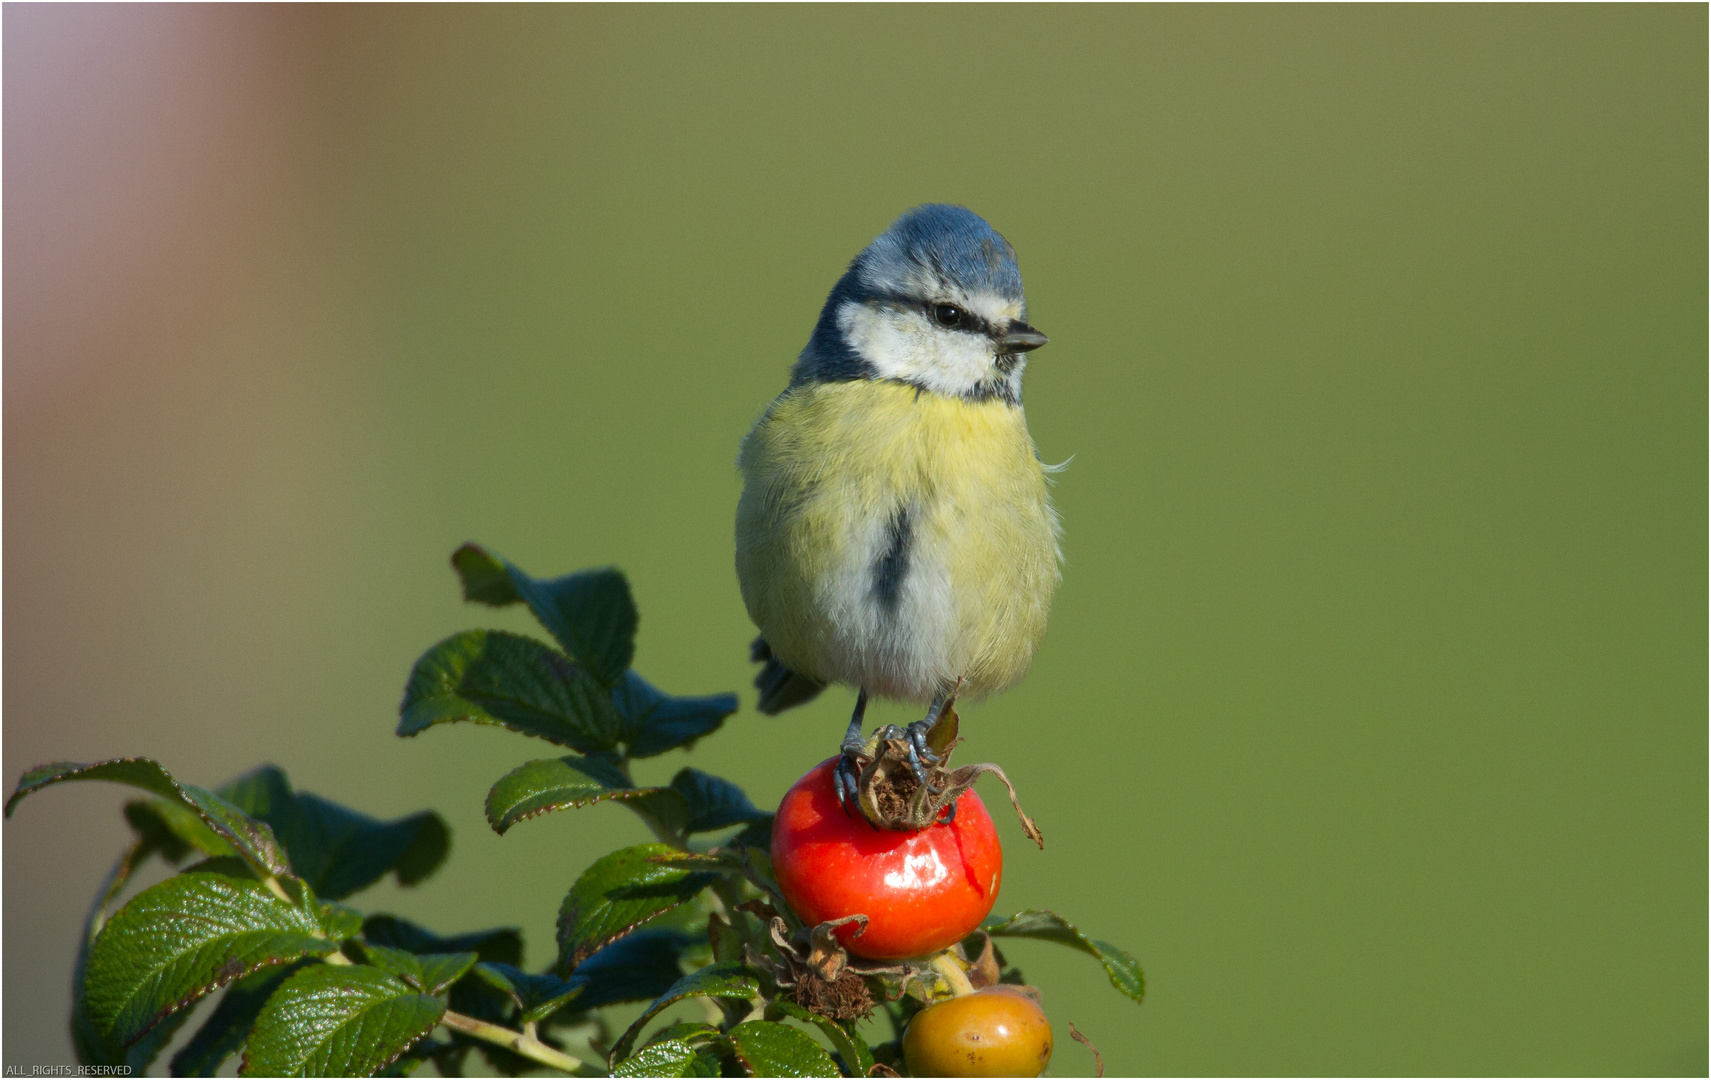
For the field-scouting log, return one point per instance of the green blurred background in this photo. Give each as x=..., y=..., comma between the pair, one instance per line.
x=1372, y=717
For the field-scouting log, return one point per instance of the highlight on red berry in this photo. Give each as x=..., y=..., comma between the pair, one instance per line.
x=921, y=891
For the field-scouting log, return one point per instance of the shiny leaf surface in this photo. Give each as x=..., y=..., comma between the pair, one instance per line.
x=767, y=1048
x=191, y=934
x=346, y=1020
x=618, y=894
x=510, y=681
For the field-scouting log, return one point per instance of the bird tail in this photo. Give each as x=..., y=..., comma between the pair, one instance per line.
x=780, y=688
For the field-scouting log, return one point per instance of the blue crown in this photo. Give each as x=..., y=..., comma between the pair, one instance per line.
x=950, y=243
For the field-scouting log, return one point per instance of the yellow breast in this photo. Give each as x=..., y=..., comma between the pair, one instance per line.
x=896, y=539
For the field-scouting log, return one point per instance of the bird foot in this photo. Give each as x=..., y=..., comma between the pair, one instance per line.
x=846, y=775
x=913, y=740
x=901, y=777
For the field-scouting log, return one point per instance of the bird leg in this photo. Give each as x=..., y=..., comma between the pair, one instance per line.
x=846, y=773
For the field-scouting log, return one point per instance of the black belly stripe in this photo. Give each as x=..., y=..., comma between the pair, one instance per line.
x=892, y=566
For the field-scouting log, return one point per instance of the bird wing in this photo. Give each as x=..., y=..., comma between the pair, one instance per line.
x=780, y=688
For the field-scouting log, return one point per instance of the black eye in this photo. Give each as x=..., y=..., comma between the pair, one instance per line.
x=947, y=314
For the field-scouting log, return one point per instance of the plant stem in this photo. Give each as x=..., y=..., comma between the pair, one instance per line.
x=277, y=889
x=953, y=973
x=519, y=1042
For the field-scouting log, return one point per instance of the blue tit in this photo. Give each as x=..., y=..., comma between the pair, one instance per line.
x=895, y=533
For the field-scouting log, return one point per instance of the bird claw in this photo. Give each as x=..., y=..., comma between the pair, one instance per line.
x=891, y=733
x=919, y=754
x=914, y=740
x=846, y=775
x=918, y=738
x=846, y=778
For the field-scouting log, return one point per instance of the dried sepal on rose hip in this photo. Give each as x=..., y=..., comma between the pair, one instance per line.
x=891, y=794
x=813, y=970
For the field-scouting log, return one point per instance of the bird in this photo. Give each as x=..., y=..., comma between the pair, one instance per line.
x=895, y=532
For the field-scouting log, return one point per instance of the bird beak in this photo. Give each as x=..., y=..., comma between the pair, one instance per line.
x=1021, y=337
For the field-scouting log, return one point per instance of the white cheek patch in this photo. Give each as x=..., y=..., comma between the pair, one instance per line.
x=904, y=345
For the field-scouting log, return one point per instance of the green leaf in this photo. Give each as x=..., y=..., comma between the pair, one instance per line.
x=500, y=946
x=619, y=893
x=346, y=1020
x=263, y=793
x=716, y=980
x=538, y=787
x=757, y=835
x=591, y=613
x=668, y=1057
x=174, y=829
x=1123, y=969
x=536, y=996
x=189, y=935
x=250, y=838
x=430, y=973
x=91, y=1049
x=340, y=922
x=757, y=868
x=654, y=721
x=638, y=967
x=485, y=579
x=338, y=850
x=852, y=1048
x=689, y=1031
x=142, y=1053
x=440, y=970
x=507, y=680
x=767, y=1048
x=714, y=802
x=224, y=1033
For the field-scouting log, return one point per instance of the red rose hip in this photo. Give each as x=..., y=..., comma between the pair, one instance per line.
x=921, y=891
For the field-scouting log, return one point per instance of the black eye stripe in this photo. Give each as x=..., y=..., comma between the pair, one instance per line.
x=965, y=319
x=971, y=323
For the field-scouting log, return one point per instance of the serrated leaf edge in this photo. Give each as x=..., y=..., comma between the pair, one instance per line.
x=618, y=795
x=219, y=984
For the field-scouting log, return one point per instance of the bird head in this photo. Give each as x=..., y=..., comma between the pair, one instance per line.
x=936, y=302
